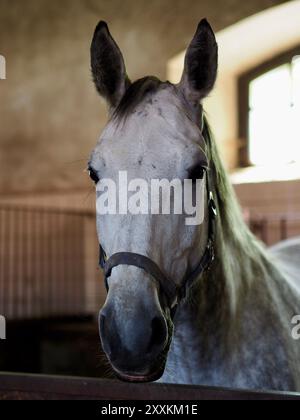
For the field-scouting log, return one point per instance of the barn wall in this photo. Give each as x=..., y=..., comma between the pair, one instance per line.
x=50, y=114
x=243, y=47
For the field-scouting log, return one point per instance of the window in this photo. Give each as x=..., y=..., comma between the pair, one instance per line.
x=272, y=124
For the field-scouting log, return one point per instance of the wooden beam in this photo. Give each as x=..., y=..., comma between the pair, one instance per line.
x=35, y=387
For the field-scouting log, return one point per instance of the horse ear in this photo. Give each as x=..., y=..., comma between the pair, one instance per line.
x=201, y=64
x=108, y=67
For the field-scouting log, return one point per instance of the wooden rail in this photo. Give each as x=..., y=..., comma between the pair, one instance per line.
x=30, y=387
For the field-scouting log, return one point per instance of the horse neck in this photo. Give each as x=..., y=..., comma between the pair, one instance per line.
x=241, y=261
x=208, y=321
x=213, y=318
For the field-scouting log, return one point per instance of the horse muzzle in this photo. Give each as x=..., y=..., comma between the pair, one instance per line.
x=137, y=344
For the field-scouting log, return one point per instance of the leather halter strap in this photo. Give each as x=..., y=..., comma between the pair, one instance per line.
x=144, y=263
x=172, y=292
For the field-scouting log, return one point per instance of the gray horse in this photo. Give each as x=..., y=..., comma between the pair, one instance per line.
x=233, y=325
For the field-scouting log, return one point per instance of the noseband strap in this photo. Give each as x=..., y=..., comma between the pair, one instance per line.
x=172, y=292
x=140, y=261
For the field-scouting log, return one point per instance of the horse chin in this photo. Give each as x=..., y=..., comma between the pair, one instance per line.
x=153, y=376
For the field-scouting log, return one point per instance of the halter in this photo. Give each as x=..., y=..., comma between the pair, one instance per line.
x=174, y=293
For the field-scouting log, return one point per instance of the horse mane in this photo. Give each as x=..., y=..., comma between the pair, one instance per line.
x=240, y=257
x=136, y=94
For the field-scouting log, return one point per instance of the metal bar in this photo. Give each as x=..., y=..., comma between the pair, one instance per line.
x=265, y=232
x=61, y=262
x=283, y=229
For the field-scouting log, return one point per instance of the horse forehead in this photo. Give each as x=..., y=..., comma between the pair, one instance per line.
x=157, y=128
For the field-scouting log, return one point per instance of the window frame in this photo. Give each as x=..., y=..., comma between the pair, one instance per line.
x=244, y=82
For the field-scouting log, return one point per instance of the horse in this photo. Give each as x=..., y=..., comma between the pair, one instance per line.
x=207, y=304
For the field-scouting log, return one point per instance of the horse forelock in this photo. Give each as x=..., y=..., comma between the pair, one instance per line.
x=135, y=94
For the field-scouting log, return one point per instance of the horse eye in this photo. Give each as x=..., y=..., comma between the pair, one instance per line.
x=93, y=175
x=197, y=173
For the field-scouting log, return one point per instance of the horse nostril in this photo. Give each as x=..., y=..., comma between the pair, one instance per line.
x=159, y=332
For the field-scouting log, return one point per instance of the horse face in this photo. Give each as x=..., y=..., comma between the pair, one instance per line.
x=152, y=135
